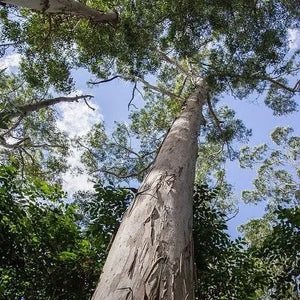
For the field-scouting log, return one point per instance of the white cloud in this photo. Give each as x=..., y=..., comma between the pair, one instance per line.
x=76, y=119
x=10, y=61
x=72, y=181
x=294, y=38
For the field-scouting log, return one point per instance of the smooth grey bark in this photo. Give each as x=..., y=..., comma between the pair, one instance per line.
x=152, y=254
x=70, y=7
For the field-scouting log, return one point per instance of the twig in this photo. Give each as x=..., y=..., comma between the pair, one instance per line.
x=47, y=146
x=132, y=95
x=183, y=85
x=176, y=64
x=31, y=157
x=216, y=120
x=92, y=108
x=103, y=81
x=237, y=211
x=22, y=162
x=153, y=87
x=127, y=149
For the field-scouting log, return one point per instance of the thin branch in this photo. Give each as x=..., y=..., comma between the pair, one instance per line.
x=132, y=96
x=105, y=80
x=183, y=85
x=135, y=78
x=8, y=44
x=216, y=119
x=283, y=86
x=22, y=163
x=125, y=175
x=31, y=157
x=88, y=105
x=85, y=147
x=45, y=145
x=13, y=127
x=127, y=149
x=232, y=217
x=172, y=61
x=140, y=93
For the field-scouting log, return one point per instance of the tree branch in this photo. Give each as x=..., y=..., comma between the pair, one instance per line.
x=4, y=144
x=13, y=127
x=68, y=7
x=212, y=112
x=189, y=73
x=153, y=87
x=135, y=78
x=28, y=108
x=132, y=96
x=105, y=80
x=295, y=89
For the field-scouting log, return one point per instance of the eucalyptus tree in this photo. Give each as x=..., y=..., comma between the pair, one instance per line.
x=207, y=48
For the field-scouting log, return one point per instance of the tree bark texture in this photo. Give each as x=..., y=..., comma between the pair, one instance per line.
x=152, y=254
x=70, y=7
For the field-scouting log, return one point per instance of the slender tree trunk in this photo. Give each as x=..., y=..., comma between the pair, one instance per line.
x=70, y=7
x=152, y=254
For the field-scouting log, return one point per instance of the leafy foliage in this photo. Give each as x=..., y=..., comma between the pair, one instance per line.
x=44, y=254
x=277, y=172
x=53, y=249
x=275, y=241
x=32, y=138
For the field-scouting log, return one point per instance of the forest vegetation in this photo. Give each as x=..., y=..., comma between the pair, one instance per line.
x=154, y=226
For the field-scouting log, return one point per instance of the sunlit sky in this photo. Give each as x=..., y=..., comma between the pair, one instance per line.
x=111, y=100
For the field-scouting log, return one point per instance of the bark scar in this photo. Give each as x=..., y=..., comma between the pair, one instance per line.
x=153, y=216
x=129, y=292
x=132, y=265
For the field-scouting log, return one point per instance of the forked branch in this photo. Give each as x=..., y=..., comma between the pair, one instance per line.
x=135, y=78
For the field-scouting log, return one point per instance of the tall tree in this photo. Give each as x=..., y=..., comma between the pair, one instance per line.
x=219, y=46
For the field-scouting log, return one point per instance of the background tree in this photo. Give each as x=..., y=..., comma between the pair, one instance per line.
x=28, y=129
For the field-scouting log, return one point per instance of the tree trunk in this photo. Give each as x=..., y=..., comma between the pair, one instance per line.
x=70, y=7
x=152, y=254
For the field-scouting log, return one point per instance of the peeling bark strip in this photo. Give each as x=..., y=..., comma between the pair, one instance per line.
x=70, y=7
x=152, y=254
